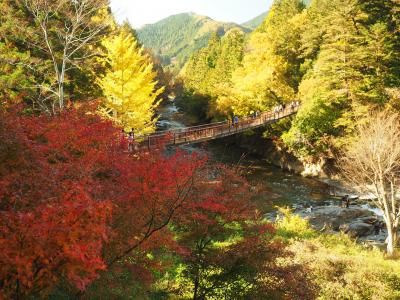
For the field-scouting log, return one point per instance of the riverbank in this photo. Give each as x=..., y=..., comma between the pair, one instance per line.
x=311, y=198
x=342, y=267
x=276, y=176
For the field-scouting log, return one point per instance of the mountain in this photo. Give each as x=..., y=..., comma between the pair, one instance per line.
x=254, y=23
x=175, y=38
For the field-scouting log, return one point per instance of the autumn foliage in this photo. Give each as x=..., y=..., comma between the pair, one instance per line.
x=78, y=211
x=229, y=251
x=73, y=203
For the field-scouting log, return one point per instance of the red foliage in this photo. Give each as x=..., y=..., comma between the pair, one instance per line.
x=221, y=211
x=72, y=202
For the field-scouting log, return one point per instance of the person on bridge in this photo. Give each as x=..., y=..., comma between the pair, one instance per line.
x=131, y=141
x=122, y=137
x=236, y=121
x=292, y=106
x=233, y=120
x=278, y=109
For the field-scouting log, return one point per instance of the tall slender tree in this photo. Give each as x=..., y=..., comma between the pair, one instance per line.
x=129, y=84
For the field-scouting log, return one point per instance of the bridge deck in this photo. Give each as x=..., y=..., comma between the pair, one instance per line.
x=202, y=133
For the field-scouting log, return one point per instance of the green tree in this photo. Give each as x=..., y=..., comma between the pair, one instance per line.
x=13, y=75
x=209, y=71
x=197, y=72
x=177, y=37
x=350, y=75
x=229, y=59
x=16, y=76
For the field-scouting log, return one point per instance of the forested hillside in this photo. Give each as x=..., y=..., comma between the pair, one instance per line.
x=175, y=38
x=254, y=23
x=257, y=21
x=97, y=203
x=339, y=58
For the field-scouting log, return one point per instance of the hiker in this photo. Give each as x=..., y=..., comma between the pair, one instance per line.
x=381, y=225
x=377, y=227
x=292, y=106
x=348, y=202
x=278, y=109
x=275, y=110
x=345, y=201
x=131, y=141
x=236, y=121
x=122, y=138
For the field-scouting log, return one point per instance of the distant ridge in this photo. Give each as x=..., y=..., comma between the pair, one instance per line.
x=254, y=23
x=175, y=38
x=257, y=21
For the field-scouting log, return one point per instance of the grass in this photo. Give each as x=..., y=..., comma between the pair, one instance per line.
x=342, y=268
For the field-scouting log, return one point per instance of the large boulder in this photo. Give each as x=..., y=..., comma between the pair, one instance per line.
x=333, y=217
x=357, y=229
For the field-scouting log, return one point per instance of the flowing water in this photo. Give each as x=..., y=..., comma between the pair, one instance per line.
x=274, y=186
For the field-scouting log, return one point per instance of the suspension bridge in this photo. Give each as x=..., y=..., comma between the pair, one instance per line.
x=203, y=133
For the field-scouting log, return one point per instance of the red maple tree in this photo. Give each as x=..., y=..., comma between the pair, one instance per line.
x=75, y=207
x=227, y=248
x=73, y=202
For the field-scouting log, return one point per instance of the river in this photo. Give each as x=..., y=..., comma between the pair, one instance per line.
x=275, y=187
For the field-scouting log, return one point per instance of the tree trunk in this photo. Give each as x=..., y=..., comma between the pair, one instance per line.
x=196, y=287
x=62, y=79
x=391, y=240
x=61, y=96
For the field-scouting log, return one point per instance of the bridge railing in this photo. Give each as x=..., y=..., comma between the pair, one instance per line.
x=210, y=131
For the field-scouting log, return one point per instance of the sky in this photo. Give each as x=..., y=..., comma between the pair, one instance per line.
x=141, y=12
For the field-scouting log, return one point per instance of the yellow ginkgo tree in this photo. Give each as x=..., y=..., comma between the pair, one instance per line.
x=129, y=85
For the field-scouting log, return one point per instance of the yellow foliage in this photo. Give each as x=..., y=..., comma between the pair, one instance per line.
x=265, y=77
x=260, y=82
x=291, y=226
x=129, y=84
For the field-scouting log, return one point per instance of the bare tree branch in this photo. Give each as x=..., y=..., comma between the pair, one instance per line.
x=65, y=38
x=372, y=165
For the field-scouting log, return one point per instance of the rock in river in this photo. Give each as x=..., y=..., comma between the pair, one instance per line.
x=334, y=217
x=357, y=229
